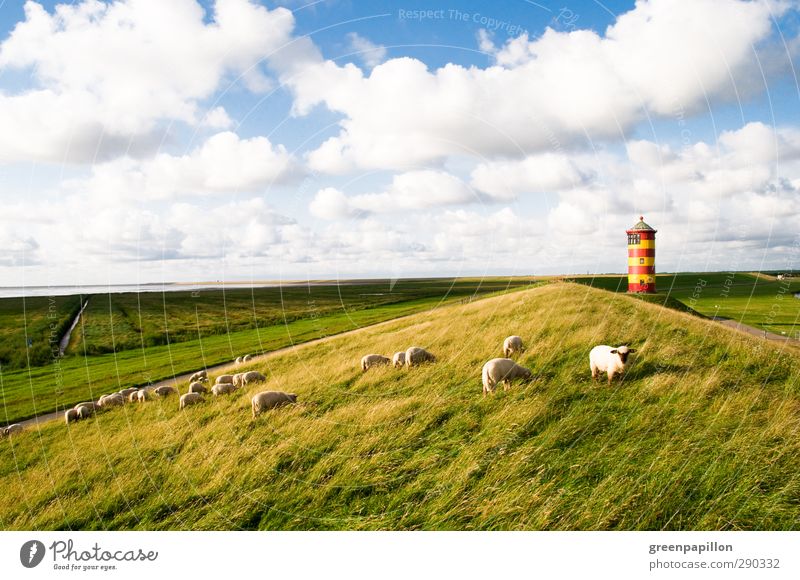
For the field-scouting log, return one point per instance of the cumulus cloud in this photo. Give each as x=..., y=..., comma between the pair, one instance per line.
x=410, y=191
x=19, y=249
x=370, y=54
x=548, y=172
x=331, y=204
x=542, y=93
x=223, y=163
x=107, y=73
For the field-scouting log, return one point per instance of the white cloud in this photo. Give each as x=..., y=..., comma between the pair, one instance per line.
x=19, y=249
x=411, y=191
x=331, y=204
x=371, y=54
x=108, y=73
x=223, y=163
x=548, y=172
x=545, y=93
x=217, y=118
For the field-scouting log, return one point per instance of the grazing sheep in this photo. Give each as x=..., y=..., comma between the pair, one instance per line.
x=134, y=396
x=126, y=393
x=512, y=344
x=238, y=360
x=224, y=379
x=416, y=355
x=246, y=358
x=373, y=360
x=223, y=389
x=269, y=400
x=165, y=391
x=85, y=411
x=609, y=360
x=399, y=359
x=70, y=415
x=502, y=370
x=237, y=379
x=141, y=395
x=91, y=405
x=197, y=388
x=190, y=399
x=199, y=376
x=108, y=401
x=251, y=377
x=12, y=429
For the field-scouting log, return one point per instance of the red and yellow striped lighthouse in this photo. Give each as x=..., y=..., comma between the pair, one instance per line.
x=641, y=258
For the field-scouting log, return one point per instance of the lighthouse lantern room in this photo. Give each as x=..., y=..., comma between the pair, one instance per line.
x=641, y=258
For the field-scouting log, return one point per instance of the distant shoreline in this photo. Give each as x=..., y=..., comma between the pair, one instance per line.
x=74, y=290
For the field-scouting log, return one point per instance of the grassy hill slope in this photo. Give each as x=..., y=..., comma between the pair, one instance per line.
x=702, y=434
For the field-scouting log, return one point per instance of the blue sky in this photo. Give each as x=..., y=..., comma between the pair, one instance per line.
x=235, y=139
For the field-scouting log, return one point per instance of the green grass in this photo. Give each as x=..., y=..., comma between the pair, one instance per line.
x=310, y=312
x=702, y=434
x=760, y=302
x=40, y=320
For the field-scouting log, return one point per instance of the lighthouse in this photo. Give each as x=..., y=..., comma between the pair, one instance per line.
x=641, y=258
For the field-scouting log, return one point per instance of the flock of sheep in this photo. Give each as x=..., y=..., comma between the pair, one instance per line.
x=602, y=359
x=223, y=385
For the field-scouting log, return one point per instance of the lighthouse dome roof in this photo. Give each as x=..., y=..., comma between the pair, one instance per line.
x=640, y=226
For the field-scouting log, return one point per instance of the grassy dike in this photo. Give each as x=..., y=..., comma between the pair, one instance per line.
x=702, y=434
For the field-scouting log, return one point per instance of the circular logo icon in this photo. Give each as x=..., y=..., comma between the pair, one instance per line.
x=31, y=553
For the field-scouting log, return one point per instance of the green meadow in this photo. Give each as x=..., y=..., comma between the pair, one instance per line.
x=700, y=435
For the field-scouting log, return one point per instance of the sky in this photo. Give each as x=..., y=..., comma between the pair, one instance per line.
x=147, y=141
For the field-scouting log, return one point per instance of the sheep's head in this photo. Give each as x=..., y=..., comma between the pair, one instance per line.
x=293, y=398
x=622, y=352
x=526, y=373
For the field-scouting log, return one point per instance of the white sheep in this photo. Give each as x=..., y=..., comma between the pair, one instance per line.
x=91, y=405
x=238, y=360
x=373, y=360
x=141, y=395
x=416, y=355
x=269, y=400
x=251, y=377
x=165, y=391
x=512, y=344
x=237, y=379
x=134, y=396
x=197, y=388
x=224, y=379
x=223, y=389
x=12, y=429
x=190, y=399
x=126, y=393
x=609, y=360
x=399, y=359
x=85, y=411
x=113, y=400
x=502, y=370
x=246, y=358
x=70, y=415
x=199, y=376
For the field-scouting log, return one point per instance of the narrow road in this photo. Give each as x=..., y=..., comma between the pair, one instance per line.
x=730, y=323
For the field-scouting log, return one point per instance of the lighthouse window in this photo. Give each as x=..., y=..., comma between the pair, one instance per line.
x=634, y=238
x=641, y=260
